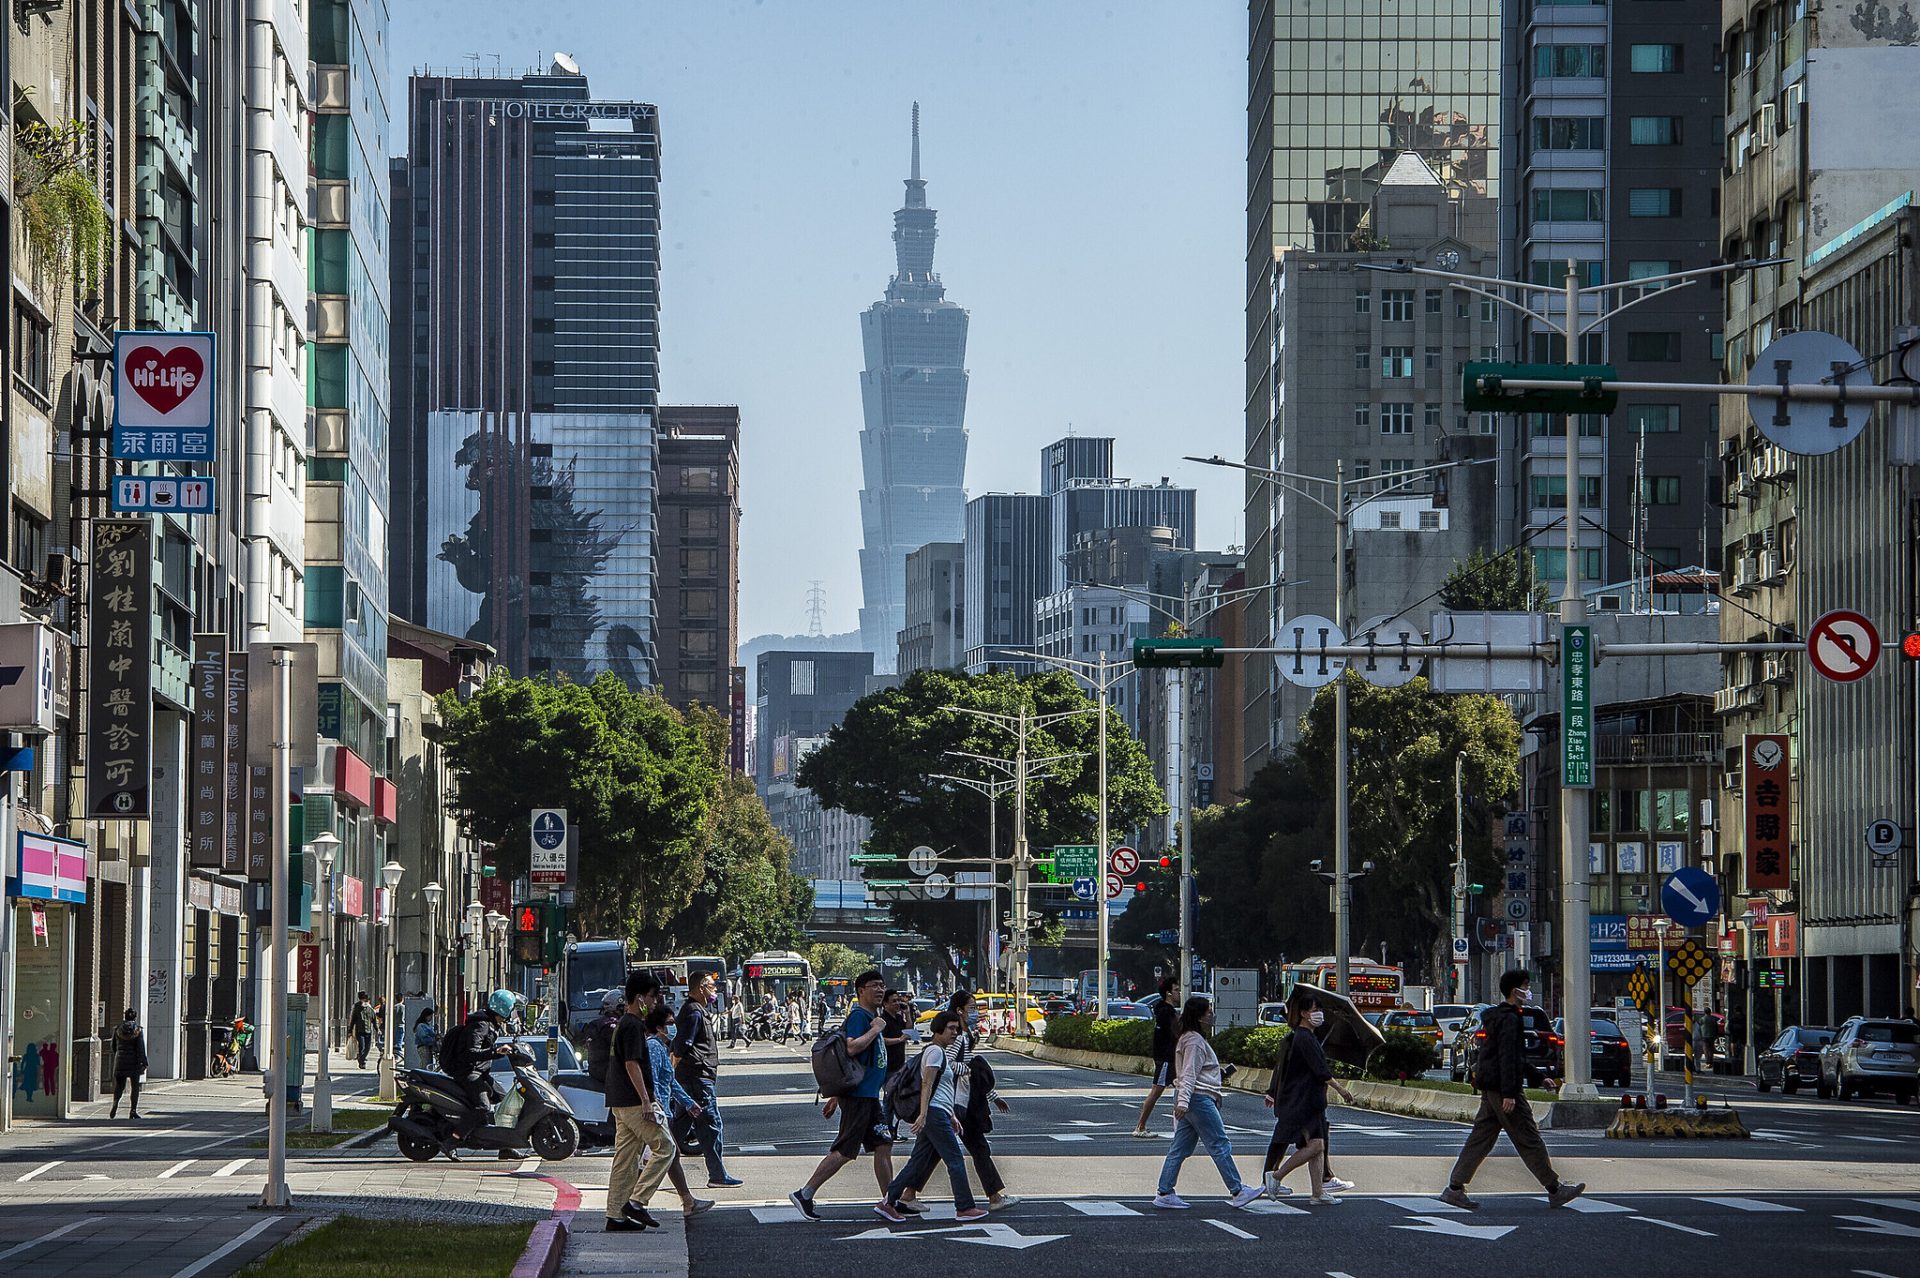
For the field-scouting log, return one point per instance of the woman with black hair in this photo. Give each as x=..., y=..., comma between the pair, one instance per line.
x=1299, y=1100
x=1196, y=1111
x=974, y=1098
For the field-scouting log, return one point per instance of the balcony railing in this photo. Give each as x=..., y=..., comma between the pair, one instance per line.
x=1660, y=748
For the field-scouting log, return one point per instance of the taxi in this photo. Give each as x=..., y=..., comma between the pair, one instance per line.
x=1419, y=1024
x=996, y=1014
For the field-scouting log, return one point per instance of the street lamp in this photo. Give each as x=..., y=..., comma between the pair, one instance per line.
x=1575, y=797
x=390, y=874
x=433, y=892
x=496, y=937
x=1341, y=508
x=474, y=912
x=324, y=847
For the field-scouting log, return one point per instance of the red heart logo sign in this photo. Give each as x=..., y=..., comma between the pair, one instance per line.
x=164, y=379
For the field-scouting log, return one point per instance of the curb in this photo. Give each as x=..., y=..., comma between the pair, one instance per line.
x=546, y=1247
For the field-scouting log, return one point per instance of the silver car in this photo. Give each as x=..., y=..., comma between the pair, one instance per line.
x=1871, y=1054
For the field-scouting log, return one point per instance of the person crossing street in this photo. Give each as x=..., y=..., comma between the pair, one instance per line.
x=1196, y=1111
x=1500, y=1076
x=860, y=1126
x=696, y=1063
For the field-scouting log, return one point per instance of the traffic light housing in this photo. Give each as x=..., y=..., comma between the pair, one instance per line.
x=1171, y=654
x=1910, y=646
x=1166, y=862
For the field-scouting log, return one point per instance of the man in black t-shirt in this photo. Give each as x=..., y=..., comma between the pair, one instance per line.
x=1166, y=1032
x=639, y=1117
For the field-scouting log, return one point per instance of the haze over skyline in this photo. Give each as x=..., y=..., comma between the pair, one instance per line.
x=1087, y=164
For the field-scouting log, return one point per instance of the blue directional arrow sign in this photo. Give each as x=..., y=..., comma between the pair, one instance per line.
x=1083, y=889
x=1690, y=896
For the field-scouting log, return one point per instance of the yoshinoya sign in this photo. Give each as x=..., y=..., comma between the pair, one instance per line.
x=1768, y=799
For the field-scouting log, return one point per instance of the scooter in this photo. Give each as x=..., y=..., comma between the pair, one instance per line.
x=532, y=1113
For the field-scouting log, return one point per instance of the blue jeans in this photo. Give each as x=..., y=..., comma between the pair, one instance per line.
x=707, y=1123
x=1201, y=1126
x=938, y=1142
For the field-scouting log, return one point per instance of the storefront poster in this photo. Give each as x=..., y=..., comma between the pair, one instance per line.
x=120, y=669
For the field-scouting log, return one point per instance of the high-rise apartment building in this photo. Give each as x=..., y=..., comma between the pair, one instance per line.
x=1613, y=162
x=1084, y=496
x=934, y=634
x=913, y=446
x=1007, y=568
x=699, y=552
x=1341, y=93
x=802, y=696
x=526, y=287
x=1809, y=174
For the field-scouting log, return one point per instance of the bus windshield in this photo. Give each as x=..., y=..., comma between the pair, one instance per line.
x=594, y=969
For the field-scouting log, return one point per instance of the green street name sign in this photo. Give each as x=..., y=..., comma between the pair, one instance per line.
x=1079, y=862
x=1576, y=706
x=1173, y=654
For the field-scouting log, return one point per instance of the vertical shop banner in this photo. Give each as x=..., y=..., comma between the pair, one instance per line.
x=1767, y=794
x=233, y=855
x=1576, y=703
x=259, y=823
x=120, y=669
x=207, y=755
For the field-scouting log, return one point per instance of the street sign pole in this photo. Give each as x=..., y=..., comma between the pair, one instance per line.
x=1577, y=976
x=280, y=1045
x=1100, y=916
x=1342, y=832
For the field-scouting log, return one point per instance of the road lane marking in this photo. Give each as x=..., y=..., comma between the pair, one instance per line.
x=67, y=1228
x=1263, y=1207
x=1745, y=1204
x=1595, y=1206
x=1668, y=1224
x=1898, y=1204
x=1101, y=1207
x=220, y=1254
x=1878, y=1140
x=42, y=1169
x=233, y=1167
x=176, y=1169
x=1426, y=1206
x=777, y=1215
x=1067, y=1136
x=754, y=1149
x=1225, y=1228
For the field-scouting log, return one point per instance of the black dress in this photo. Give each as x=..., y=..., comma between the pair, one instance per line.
x=1300, y=1093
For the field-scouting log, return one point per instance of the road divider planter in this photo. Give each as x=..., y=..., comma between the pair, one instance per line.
x=1688, y=1124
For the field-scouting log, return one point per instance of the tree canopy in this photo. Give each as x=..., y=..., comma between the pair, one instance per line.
x=673, y=851
x=882, y=762
x=1504, y=582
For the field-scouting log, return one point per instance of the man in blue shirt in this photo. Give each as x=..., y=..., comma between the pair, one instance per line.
x=860, y=1126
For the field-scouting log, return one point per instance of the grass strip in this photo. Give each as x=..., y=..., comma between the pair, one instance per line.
x=355, y=1247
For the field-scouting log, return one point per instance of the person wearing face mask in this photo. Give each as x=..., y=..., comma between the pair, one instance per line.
x=1299, y=1101
x=1500, y=1075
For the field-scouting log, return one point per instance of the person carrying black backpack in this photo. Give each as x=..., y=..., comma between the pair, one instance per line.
x=976, y=1101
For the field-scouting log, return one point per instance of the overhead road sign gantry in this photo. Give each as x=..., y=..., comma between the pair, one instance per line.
x=1175, y=653
x=1571, y=388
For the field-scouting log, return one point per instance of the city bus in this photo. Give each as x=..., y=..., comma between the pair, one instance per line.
x=687, y=966
x=777, y=972
x=593, y=968
x=1374, y=987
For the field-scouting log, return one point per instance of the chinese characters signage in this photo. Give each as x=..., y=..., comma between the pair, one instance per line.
x=1576, y=703
x=120, y=669
x=1769, y=804
x=207, y=755
x=260, y=823
x=233, y=853
x=163, y=396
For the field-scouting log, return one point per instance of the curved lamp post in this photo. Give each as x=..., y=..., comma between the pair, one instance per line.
x=324, y=847
x=390, y=875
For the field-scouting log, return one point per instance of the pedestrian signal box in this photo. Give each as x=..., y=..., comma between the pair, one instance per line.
x=529, y=932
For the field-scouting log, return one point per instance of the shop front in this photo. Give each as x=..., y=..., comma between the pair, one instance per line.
x=51, y=884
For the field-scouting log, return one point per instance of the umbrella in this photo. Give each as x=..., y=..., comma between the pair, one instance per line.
x=1346, y=1036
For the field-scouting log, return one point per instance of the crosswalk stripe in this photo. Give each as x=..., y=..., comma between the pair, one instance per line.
x=1669, y=1224
x=233, y=1167
x=1595, y=1206
x=1422, y=1206
x=1897, y=1204
x=1067, y=1136
x=1225, y=1228
x=1101, y=1207
x=777, y=1215
x=1745, y=1204
x=1262, y=1207
x=42, y=1169
x=176, y=1169
x=31, y=1243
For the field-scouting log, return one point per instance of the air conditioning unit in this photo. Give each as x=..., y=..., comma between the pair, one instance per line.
x=1727, y=700
x=1746, y=575
x=1776, y=669
x=1771, y=569
x=1607, y=603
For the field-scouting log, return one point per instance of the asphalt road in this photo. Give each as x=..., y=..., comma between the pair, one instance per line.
x=1824, y=1188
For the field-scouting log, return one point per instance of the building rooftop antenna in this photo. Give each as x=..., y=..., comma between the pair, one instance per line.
x=816, y=609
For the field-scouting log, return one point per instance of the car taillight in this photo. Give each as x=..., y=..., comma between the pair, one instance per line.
x=1479, y=1034
x=1556, y=1040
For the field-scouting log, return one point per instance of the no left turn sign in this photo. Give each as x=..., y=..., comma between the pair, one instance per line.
x=1843, y=646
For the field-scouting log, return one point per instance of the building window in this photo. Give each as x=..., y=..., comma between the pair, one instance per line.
x=1663, y=348
x=1656, y=59
x=1650, y=267
x=1362, y=303
x=1654, y=419
x=1396, y=419
x=1549, y=492
x=1433, y=301
x=1660, y=490
x=33, y=352
x=1389, y=520
x=29, y=542
x=1657, y=201
x=1433, y=359
x=1396, y=361
x=699, y=563
x=698, y=605
x=1395, y=465
x=1551, y=60
x=699, y=479
x=1429, y=521
x=696, y=643
x=800, y=679
x=1430, y=417
x=1578, y=204
x=1570, y=133
x=1362, y=468
x=1654, y=130
x=1552, y=273
x=1360, y=357
x=1362, y=414
x=1396, y=305
x=1551, y=565
x=696, y=683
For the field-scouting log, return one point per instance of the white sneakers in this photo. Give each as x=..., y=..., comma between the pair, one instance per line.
x=1326, y=1200
x=1171, y=1202
x=1336, y=1185
x=1141, y=1133
x=1271, y=1183
x=1247, y=1194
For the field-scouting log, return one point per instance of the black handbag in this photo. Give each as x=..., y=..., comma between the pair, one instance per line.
x=685, y=1134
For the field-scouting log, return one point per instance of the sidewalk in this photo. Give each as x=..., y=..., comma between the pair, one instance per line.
x=658, y=1253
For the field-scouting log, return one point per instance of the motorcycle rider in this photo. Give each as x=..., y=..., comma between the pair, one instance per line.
x=466, y=1056
x=599, y=1035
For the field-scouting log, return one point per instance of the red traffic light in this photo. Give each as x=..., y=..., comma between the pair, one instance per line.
x=1139, y=887
x=529, y=921
x=1166, y=861
x=1910, y=646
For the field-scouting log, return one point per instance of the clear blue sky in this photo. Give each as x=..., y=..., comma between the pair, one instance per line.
x=1088, y=164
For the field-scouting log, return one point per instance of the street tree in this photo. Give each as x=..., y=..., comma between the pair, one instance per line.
x=1505, y=582
x=830, y=958
x=882, y=760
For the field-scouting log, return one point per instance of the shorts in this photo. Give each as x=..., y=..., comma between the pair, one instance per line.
x=859, y=1116
x=1163, y=1073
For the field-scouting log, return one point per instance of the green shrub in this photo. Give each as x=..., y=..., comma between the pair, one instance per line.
x=1250, y=1046
x=1123, y=1036
x=1403, y=1055
x=1074, y=1032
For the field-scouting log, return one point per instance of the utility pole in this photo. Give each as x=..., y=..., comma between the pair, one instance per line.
x=280, y=1044
x=1459, y=875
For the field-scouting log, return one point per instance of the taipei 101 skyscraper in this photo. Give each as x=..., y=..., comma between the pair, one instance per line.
x=913, y=446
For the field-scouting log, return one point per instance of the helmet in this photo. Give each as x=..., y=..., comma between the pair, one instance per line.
x=500, y=1003
x=612, y=999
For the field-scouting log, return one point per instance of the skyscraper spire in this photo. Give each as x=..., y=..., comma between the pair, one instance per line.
x=915, y=177
x=913, y=231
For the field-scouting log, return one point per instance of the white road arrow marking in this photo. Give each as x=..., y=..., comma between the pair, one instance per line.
x=1457, y=1228
x=1886, y=1228
x=992, y=1235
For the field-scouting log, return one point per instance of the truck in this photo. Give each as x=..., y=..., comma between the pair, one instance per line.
x=1419, y=997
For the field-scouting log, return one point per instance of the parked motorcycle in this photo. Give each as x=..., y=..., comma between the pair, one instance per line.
x=532, y=1114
